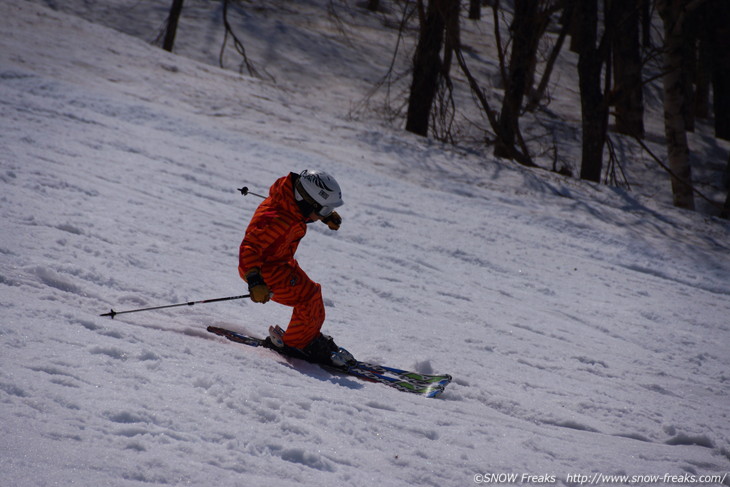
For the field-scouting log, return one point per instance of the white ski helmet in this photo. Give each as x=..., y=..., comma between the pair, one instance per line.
x=320, y=190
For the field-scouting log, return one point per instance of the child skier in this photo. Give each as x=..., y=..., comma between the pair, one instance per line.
x=267, y=263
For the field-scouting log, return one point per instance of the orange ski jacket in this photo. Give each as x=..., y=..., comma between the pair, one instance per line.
x=274, y=232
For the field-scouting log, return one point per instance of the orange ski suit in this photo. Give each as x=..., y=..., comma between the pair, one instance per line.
x=271, y=239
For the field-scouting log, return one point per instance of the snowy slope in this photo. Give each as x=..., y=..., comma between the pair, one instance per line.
x=587, y=330
x=332, y=56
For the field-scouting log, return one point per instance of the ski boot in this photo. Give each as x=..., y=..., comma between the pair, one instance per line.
x=276, y=336
x=323, y=350
x=342, y=358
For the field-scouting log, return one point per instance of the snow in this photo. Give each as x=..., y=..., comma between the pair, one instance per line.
x=586, y=327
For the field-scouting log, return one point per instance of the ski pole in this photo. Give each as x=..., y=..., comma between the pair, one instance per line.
x=113, y=313
x=244, y=191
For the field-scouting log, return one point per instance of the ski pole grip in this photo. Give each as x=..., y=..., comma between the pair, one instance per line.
x=244, y=191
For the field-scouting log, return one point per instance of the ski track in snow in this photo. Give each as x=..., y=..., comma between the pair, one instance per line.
x=586, y=331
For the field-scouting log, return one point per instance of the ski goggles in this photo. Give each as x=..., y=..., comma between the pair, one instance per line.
x=322, y=210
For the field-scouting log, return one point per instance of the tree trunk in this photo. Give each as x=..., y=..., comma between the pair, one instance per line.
x=594, y=112
x=629, y=101
x=726, y=209
x=703, y=72
x=537, y=95
x=452, y=34
x=171, y=28
x=645, y=9
x=574, y=22
x=689, y=70
x=525, y=37
x=674, y=121
x=720, y=11
x=475, y=9
x=426, y=67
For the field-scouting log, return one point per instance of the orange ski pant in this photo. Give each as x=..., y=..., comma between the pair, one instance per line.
x=292, y=287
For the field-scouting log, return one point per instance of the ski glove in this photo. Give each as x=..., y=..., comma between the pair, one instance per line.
x=260, y=292
x=333, y=220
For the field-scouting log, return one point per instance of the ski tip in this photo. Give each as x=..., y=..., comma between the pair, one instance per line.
x=236, y=337
x=217, y=330
x=435, y=391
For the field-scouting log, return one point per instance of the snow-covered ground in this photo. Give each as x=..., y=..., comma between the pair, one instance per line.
x=587, y=329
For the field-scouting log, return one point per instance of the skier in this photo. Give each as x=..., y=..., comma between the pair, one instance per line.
x=267, y=263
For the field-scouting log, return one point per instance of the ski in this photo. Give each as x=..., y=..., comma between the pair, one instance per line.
x=236, y=337
x=442, y=379
x=403, y=380
x=404, y=385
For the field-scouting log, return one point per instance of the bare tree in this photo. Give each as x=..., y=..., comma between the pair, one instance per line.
x=719, y=16
x=171, y=27
x=593, y=101
x=528, y=24
x=726, y=208
x=674, y=14
x=538, y=93
x=428, y=68
x=703, y=68
x=237, y=44
x=475, y=9
x=520, y=154
x=373, y=5
x=645, y=10
x=628, y=96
